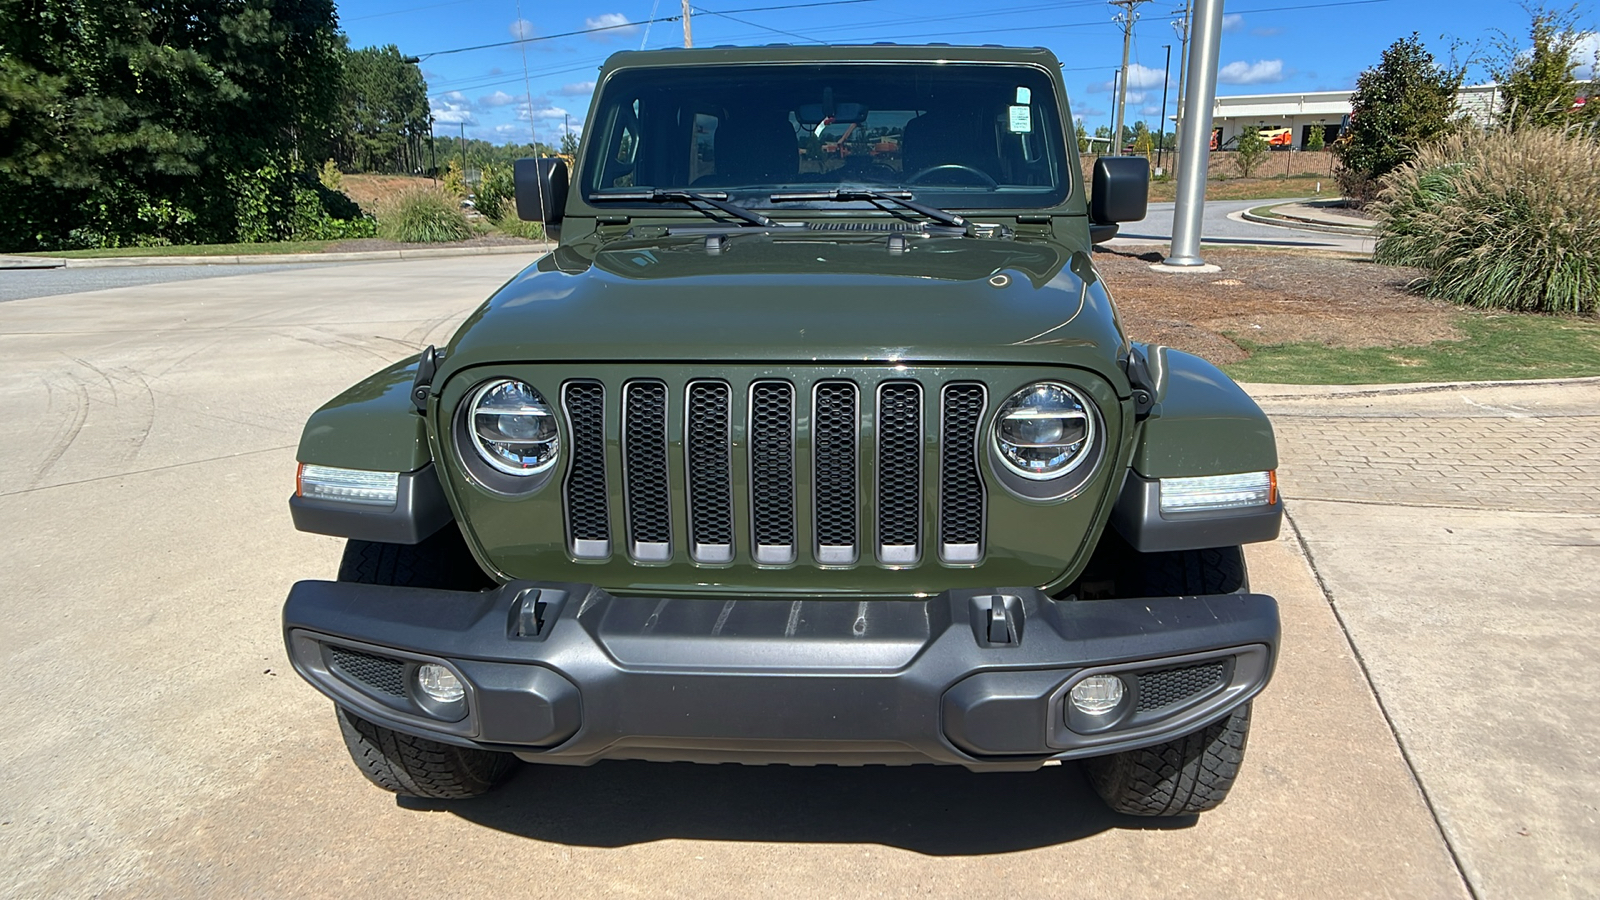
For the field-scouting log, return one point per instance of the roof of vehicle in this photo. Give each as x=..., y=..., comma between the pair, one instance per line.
x=885, y=52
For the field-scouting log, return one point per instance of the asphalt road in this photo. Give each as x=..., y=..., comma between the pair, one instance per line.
x=1221, y=224
x=156, y=743
x=20, y=284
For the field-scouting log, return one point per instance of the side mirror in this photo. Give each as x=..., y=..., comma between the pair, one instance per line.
x=541, y=190
x=1121, y=190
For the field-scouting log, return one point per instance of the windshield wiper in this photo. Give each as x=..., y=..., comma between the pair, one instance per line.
x=715, y=199
x=901, y=197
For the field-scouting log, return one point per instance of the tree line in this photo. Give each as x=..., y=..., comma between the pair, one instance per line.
x=193, y=121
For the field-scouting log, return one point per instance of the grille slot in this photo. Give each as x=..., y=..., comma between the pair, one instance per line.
x=772, y=502
x=708, y=451
x=835, y=422
x=1159, y=688
x=379, y=673
x=899, y=472
x=588, y=512
x=961, y=493
x=645, y=473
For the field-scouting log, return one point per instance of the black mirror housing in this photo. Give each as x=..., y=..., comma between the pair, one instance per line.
x=541, y=191
x=1121, y=190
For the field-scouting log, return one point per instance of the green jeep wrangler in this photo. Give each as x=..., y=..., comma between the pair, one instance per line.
x=817, y=439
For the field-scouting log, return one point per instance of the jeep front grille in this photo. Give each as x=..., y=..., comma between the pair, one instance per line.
x=831, y=426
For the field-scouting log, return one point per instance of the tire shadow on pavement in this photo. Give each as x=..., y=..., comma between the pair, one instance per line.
x=934, y=810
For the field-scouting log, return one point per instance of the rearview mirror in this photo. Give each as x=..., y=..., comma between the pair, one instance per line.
x=811, y=115
x=541, y=192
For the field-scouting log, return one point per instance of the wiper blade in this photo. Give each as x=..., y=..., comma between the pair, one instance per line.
x=901, y=197
x=714, y=199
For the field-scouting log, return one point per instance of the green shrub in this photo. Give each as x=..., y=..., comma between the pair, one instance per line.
x=508, y=223
x=330, y=176
x=497, y=186
x=1252, y=149
x=1504, y=220
x=424, y=216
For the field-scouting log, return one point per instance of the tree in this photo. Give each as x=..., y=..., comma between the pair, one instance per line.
x=1405, y=102
x=126, y=122
x=384, y=112
x=1144, y=140
x=569, y=144
x=1250, y=150
x=1315, y=139
x=1083, y=135
x=1536, y=85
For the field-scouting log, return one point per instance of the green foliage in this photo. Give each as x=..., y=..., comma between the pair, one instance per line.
x=272, y=205
x=1406, y=102
x=121, y=121
x=384, y=118
x=453, y=180
x=424, y=216
x=1083, y=136
x=495, y=192
x=508, y=223
x=1536, y=85
x=569, y=144
x=1506, y=220
x=1251, y=149
x=1316, y=140
x=330, y=177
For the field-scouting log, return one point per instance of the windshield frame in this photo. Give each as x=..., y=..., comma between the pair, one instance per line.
x=1058, y=139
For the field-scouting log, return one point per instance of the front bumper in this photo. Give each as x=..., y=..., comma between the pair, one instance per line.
x=567, y=673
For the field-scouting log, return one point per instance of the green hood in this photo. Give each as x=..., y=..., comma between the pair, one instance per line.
x=809, y=297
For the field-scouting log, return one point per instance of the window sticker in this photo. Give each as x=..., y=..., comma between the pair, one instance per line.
x=1024, y=95
x=1021, y=120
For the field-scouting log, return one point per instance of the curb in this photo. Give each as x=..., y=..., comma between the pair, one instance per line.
x=1269, y=390
x=281, y=258
x=1304, y=224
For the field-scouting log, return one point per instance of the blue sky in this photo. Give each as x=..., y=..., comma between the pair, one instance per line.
x=1268, y=46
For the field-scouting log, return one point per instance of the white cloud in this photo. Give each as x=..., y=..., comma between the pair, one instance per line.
x=499, y=98
x=1266, y=32
x=1584, y=53
x=1232, y=22
x=452, y=109
x=1089, y=112
x=577, y=89
x=1139, y=77
x=521, y=29
x=615, y=24
x=548, y=112
x=1149, y=110
x=1137, y=96
x=1265, y=71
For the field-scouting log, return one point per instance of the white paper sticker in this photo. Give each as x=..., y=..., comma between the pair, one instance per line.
x=1024, y=96
x=1021, y=120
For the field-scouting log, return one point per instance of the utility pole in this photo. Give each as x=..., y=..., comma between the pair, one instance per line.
x=1116, y=79
x=1126, y=18
x=1181, y=26
x=1194, y=148
x=688, y=36
x=1166, y=76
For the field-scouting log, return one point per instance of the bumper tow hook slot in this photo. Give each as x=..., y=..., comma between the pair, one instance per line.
x=530, y=613
x=1001, y=630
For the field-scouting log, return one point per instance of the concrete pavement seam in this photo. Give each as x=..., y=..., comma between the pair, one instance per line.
x=178, y=465
x=1388, y=721
x=1391, y=390
x=1404, y=505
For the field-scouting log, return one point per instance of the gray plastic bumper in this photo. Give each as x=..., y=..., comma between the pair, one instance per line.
x=974, y=678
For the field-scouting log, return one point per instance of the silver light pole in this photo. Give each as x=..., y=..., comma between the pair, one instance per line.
x=1194, y=138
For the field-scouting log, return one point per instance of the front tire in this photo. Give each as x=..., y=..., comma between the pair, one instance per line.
x=398, y=762
x=417, y=767
x=1181, y=777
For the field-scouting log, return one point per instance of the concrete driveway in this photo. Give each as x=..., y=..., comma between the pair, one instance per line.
x=155, y=742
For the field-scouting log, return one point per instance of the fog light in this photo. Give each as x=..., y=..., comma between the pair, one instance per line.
x=441, y=684
x=1097, y=694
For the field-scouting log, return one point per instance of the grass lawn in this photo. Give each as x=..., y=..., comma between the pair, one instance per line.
x=191, y=250
x=1276, y=187
x=1498, y=347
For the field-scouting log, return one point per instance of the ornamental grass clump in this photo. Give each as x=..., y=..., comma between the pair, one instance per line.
x=423, y=216
x=1501, y=220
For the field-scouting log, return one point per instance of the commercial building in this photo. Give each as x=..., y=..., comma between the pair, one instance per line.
x=1300, y=113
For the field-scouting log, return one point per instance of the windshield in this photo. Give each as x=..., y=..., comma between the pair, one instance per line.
x=976, y=136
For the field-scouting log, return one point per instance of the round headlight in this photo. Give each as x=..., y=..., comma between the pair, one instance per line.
x=512, y=428
x=1044, y=430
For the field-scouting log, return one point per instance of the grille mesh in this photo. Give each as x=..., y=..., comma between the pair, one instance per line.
x=588, y=518
x=707, y=449
x=381, y=673
x=1163, y=687
x=772, y=463
x=644, y=450
x=900, y=464
x=960, y=485
x=834, y=441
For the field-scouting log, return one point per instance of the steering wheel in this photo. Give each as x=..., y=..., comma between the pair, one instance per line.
x=983, y=177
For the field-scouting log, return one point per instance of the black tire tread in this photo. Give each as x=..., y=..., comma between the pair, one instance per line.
x=418, y=767
x=1189, y=775
x=440, y=561
x=1181, y=573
